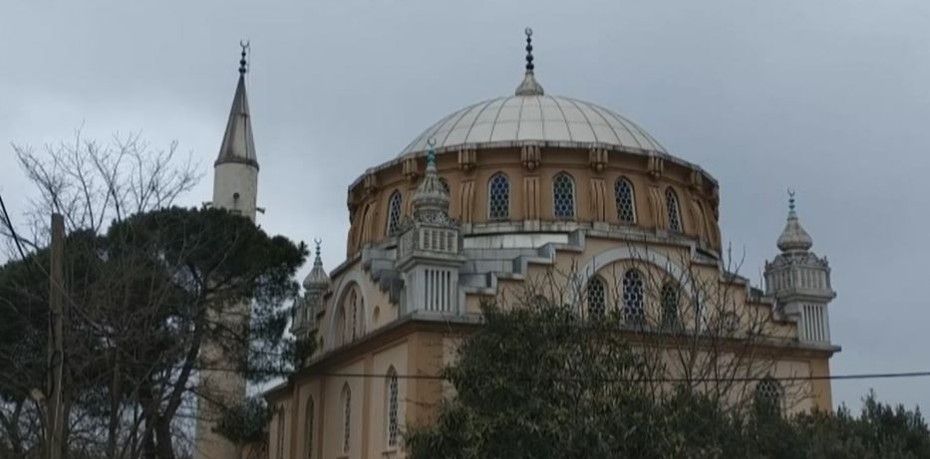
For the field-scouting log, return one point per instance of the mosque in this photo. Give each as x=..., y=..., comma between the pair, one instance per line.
x=521, y=198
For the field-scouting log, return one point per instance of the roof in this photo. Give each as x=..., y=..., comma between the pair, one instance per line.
x=548, y=119
x=238, y=145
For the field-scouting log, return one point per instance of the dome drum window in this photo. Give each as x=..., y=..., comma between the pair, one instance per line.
x=394, y=212
x=674, y=211
x=563, y=196
x=626, y=204
x=498, y=197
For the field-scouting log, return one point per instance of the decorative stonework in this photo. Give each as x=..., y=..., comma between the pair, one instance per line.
x=531, y=198
x=657, y=207
x=411, y=170
x=696, y=179
x=655, y=166
x=597, y=158
x=467, y=203
x=467, y=159
x=531, y=157
x=599, y=199
x=370, y=183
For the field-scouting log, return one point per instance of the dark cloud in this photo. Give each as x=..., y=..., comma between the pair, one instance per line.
x=827, y=97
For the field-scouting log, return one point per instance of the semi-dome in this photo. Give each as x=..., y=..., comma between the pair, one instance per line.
x=550, y=120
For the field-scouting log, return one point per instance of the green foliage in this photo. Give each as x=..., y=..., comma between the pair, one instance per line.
x=245, y=423
x=142, y=301
x=538, y=382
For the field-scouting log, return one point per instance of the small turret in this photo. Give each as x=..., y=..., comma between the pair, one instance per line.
x=315, y=285
x=430, y=247
x=799, y=280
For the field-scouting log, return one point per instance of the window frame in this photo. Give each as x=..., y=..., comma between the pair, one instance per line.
x=506, y=181
x=572, y=194
x=632, y=191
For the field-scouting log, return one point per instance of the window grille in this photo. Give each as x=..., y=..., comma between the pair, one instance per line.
x=394, y=209
x=563, y=196
x=392, y=415
x=768, y=397
x=498, y=197
x=669, y=297
x=596, y=298
x=633, y=298
x=347, y=417
x=623, y=194
x=674, y=214
x=353, y=304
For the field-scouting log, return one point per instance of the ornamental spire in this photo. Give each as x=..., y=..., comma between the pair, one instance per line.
x=317, y=278
x=529, y=86
x=431, y=200
x=793, y=237
x=238, y=145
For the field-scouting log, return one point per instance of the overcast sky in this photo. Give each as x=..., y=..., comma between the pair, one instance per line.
x=829, y=98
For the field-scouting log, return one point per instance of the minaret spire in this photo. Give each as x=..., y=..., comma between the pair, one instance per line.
x=529, y=86
x=238, y=145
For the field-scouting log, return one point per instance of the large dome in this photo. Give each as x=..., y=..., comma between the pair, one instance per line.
x=551, y=120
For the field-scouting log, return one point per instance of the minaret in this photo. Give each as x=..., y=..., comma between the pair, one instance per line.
x=315, y=285
x=799, y=281
x=430, y=248
x=235, y=172
x=235, y=186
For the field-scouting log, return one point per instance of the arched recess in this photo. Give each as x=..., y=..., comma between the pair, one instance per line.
x=637, y=255
x=352, y=278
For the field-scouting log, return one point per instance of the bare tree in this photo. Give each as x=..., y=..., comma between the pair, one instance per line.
x=698, y=325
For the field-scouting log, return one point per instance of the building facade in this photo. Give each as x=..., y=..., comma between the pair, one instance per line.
x=534, y=197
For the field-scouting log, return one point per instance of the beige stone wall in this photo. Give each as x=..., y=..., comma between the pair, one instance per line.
x=531, y=191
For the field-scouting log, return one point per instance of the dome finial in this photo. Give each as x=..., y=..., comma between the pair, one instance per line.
x=793, y=237
x=529, y=86
x=317, y=278
x=317, y=242
x=242, y=62
x=431, y=154
x=529, y=49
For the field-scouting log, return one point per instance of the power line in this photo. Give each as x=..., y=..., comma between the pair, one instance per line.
x=9, y=225
x=852, y=376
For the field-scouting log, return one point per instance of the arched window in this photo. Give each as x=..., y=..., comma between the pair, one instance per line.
x=308, y=434
x=346, y=418
x=353, y=308
x=394, y=209
x=674, y=213
x=392, y=414
x=669, y=297
x=597, y=298
x=623, y=195
x=767, y=399
x=633, y=298
x=498, y=197
x=563, y=196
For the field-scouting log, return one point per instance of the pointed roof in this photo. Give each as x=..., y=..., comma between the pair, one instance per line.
x=793, y=237
x=238, y=145
x=431, y=200
x=317, y=278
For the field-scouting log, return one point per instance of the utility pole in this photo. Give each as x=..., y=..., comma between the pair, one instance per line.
x=56, y=356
